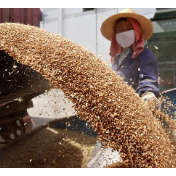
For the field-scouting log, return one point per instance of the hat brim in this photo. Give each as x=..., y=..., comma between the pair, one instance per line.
x=107, y=28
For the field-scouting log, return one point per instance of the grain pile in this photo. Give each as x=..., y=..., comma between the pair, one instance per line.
x=51, y=148
x=99, y=94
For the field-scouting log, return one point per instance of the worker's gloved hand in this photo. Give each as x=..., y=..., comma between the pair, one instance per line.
x=149, y=98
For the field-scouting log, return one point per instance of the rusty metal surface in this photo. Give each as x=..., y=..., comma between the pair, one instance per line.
x=14, y=107
x=20, y=15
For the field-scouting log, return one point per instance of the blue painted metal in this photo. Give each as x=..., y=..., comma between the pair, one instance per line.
x=171, y=94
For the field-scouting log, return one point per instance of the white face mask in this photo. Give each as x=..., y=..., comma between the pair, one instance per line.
x=125, y=39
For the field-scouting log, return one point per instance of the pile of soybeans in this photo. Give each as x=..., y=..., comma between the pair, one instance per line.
x=99, y=95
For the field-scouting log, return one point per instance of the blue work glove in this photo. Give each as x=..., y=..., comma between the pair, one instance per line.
x=148, y=96
x=151, y=96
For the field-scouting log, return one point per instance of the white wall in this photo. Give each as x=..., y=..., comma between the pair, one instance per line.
x=103, y=44
x=52, y=20
x=71, y=11
x=83, y=28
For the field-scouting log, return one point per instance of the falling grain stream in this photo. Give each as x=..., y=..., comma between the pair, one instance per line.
x=99, y=95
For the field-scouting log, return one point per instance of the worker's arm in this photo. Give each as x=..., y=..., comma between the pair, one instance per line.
x=148, y=76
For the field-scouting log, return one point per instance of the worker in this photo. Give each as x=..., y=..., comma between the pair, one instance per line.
x=136, y=64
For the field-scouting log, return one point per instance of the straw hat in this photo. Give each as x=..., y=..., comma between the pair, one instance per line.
x=107, y=28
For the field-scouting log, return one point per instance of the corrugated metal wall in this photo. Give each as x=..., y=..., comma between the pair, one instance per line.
x=22, y=15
